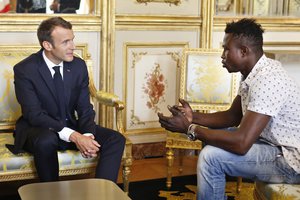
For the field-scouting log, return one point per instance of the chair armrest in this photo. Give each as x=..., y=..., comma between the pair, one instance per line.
x=109, y=99
x=105, y=98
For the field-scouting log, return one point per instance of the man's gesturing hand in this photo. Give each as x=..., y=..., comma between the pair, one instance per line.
x=185, y=109
x=177, y=122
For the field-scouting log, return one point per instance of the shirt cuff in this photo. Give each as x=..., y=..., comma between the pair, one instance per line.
x=87, y=134
x=65, y=133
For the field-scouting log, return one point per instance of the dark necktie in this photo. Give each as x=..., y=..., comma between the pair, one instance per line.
x=59, y=86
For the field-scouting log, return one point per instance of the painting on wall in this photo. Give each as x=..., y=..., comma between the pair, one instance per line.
x=159, y=7
x=151, y=83
x=205, y=84
x=174, y=2
x=294, y=8
x=225, y=7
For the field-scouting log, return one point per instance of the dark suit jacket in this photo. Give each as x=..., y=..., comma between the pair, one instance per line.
x=69, y=6
x=36, y=94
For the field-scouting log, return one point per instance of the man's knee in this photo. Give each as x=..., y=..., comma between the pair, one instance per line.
x=117, y=137
x=121, y=138
x=46, y=140
x=209, y=156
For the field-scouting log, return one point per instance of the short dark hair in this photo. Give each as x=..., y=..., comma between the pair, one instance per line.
x=47, y=26
x=248, y=31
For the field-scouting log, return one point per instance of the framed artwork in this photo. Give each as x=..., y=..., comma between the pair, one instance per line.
x=204, y=83
x=294, y=8
x=175, y=2
x=158, y=7
x=226, y=7
x=9, y=56
x=151, y=83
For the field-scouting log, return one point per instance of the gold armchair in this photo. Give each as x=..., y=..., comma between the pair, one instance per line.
x=20, y=167
x=207, y=87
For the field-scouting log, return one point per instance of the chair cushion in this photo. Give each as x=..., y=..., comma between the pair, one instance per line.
x=23, y=162
x=277, y=191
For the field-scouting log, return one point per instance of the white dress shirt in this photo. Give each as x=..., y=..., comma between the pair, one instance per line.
x=65, y=133
x=270, y=91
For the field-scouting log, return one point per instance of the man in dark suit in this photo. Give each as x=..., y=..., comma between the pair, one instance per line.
x=65, y=6
x=59, y=118
x=31, y=6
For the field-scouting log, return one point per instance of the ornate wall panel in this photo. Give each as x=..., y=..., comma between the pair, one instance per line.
x=158, y=7
x=294, y=8
x=151, y=81
x=139, y=55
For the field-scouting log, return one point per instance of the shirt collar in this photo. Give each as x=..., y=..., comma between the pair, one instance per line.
x=49, y=63
x=257, y=67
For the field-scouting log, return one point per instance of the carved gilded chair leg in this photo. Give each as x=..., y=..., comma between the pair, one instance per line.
x=170, y=161
x=126, y=172
x=126, y=163
x=181, y=154
x=239, y=184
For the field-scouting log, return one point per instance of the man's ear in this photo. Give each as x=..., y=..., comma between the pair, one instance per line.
x=244, y=50
x=47, y=45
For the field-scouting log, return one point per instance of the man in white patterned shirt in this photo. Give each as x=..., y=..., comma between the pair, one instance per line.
x=266, y=144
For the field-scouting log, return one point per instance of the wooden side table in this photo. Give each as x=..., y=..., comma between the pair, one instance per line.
x=87, y=189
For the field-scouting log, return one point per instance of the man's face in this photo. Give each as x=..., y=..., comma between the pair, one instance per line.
x=231, y=56
x=63, y=45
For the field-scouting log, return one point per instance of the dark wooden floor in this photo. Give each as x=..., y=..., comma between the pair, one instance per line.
x=154, y=168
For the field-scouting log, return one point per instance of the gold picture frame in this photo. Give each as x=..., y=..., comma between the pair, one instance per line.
x=175, y=2
x=204, y=83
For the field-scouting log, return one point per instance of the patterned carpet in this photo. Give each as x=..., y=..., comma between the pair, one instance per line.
x=245, y=194
x=183, y=188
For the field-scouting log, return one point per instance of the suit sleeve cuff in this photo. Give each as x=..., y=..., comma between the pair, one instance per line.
x=65, y=133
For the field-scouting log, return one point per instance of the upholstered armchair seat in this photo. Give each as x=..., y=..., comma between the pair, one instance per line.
x=268, y=191
x=21, y=166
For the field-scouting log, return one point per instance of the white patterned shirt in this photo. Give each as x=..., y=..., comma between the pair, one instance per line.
x=270, y=91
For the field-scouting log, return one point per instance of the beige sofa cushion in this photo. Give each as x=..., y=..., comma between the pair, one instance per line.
x=70, y=162
x=267, y=191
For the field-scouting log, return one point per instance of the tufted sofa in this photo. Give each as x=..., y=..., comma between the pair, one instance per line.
x=21, y=166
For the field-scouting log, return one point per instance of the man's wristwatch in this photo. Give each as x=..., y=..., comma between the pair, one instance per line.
x=191, y=132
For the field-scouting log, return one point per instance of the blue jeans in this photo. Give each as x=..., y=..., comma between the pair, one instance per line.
x=262, y=162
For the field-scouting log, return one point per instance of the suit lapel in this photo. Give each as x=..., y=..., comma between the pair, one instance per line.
x=67, y=78
x=45, y=73
x=67, y=81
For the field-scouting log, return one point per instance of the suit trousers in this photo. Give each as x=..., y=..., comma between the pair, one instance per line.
x=44, y=144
